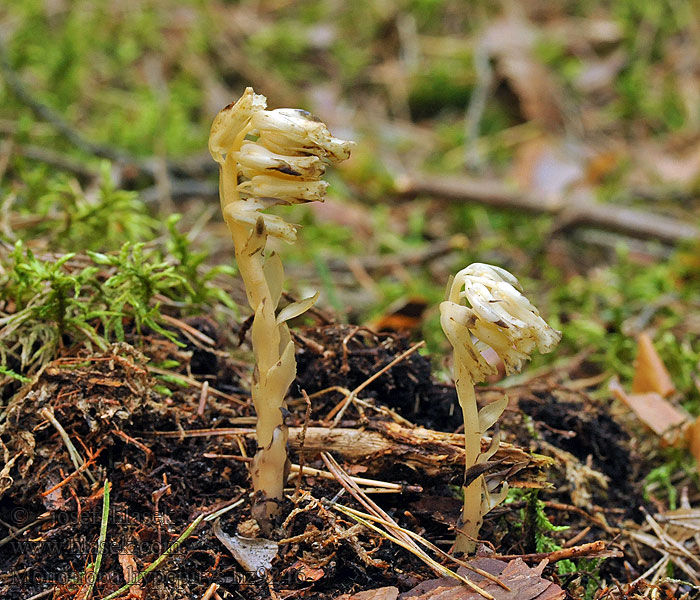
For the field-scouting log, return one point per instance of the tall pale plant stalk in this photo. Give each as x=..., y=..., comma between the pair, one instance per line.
x=485, y=307
x=266, y=158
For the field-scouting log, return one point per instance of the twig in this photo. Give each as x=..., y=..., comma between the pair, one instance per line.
x=156, y=563
x=78, y=460
x=657, y=566
x=340, y=408
x=188, y=329
x=592, y=549
x=427, y=544
x=42, y=594
x=21, y=530
x=425, y=449
x=203, y=399
x=141, y=446
x=182, y=188
x=384, y=485
x=212, y=515
x=148, y=166
x=310, y=471
x=211, y=590
x=477, y=104
x=301, y=437
x=578, y=510
x=55, y=159
x=401, y=538
x=198, y=384
x=42, y=111
x=577, y=538
x=628, y=221
x=75, y=473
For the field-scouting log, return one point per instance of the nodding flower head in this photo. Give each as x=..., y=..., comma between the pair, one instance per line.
x=497, y=314
x=272, y=157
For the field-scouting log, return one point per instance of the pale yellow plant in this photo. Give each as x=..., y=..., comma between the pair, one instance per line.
x=266, y=158
x=486, y=302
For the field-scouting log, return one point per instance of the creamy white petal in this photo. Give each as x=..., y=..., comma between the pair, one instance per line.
x=498, y=315
x=297, y=132
x=231, y=121
x=283, y=191
x=254, y=159
x=247, y=212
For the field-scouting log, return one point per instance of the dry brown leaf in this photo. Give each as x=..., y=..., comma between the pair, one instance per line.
x=511, y=42
x=693, y=434
x=130, y=570
x=306, y=572
x=655, y=412
x=672, y=165
x=385, y=593
x=523, y=582
x=650, y=374
x=549, y=167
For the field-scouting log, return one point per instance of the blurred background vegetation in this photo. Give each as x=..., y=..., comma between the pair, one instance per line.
x=105, y=110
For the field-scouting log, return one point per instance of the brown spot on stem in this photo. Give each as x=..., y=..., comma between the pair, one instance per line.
x=260, y=226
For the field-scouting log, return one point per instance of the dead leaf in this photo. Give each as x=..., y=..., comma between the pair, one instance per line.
x=511, y=41
x=655, y=412
x=130, y=570
x=680, y=166
x=254, y=555
x=549, y=167
x=693, y=434
x=650, y=374
x=523, y=582
x=404, y=315
x=598, y=76
x=306, y=573
x=354, y=217
x=385, y=593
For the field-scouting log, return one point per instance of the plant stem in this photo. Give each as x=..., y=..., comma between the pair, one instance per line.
x=472, y=517
x=268, y=344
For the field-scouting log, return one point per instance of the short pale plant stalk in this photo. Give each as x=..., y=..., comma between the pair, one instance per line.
x=266, y=158
x=485, y=307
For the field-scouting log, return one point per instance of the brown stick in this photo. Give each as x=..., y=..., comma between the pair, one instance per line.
x=592, y=549
x=584, y=211
x=430, y=451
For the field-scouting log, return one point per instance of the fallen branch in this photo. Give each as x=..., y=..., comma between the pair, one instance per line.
x=425, y=449
x=148, y=165
x=591, y=550
x=570, y=214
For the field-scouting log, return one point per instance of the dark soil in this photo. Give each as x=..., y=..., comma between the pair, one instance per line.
x=113, y=412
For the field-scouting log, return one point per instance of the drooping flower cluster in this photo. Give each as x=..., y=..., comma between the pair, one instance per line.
x=486, y=302
x=497, y=315
x=271, y=157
